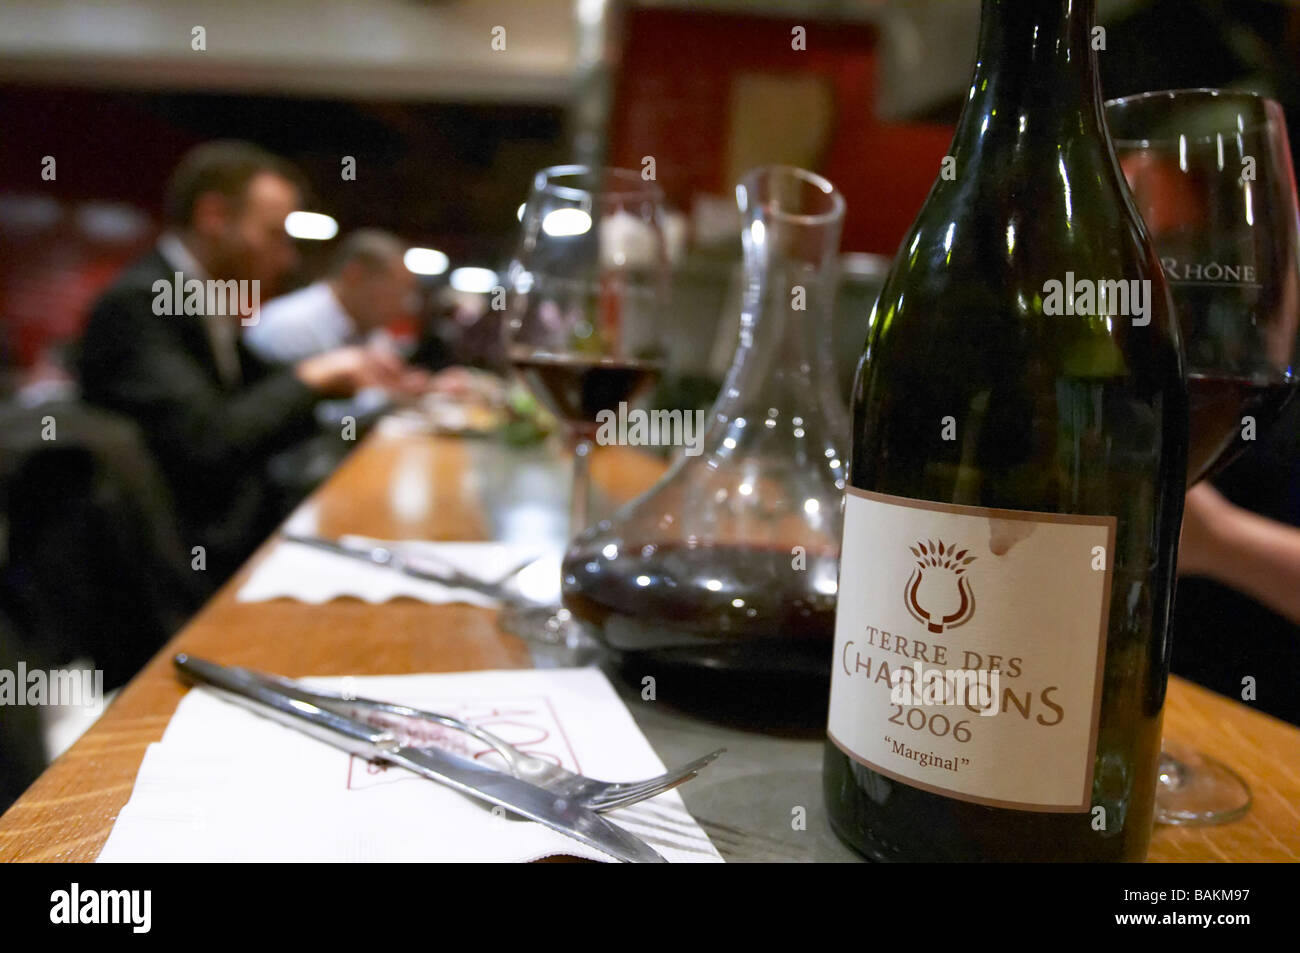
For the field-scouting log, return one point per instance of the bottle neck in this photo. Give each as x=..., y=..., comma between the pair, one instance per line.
x=1036, y=66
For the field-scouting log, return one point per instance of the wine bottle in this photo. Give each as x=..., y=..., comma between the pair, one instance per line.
x=1016, y=478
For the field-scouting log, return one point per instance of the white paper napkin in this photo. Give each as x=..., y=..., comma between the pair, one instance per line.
x=298, y=571
x=227, y=785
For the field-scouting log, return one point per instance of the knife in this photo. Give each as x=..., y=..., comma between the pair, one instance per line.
x=452, y=577
x=281, y=703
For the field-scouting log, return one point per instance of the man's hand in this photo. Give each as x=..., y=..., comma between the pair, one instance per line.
x=460, y=382
x=414, y=382
x=343, y=372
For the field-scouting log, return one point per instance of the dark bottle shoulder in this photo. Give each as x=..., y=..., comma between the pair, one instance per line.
x=992, y=241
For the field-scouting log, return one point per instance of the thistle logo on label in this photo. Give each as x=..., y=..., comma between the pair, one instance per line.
x=939, y=576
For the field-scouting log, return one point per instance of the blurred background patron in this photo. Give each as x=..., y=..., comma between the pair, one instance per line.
x=211, y=411
x=368, y=288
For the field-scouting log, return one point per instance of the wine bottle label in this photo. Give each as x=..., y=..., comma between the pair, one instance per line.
x=969, y=646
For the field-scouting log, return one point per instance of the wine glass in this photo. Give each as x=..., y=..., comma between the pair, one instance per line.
x=588, y=293
x=1211, y=173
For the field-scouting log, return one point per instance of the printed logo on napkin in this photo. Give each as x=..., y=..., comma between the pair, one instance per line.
x=529, y=722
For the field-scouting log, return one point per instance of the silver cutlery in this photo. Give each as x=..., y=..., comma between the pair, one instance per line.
x=600, y=796
x=423, y=566
x=324, y=722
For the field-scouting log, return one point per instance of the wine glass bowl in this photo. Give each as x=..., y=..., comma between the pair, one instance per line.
x=590, y=279
x=1211, y=174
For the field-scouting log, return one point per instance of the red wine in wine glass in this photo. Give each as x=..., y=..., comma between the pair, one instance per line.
x=1226, y=413
x=577, y=388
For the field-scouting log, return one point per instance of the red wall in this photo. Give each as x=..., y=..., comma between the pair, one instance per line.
x=673, y=93
x=105, y=148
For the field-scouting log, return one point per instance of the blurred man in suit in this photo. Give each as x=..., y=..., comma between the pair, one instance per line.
x=211, y=411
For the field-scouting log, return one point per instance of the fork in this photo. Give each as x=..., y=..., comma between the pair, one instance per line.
x=600, y=796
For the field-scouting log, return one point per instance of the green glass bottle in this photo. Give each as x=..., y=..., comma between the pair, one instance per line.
x=1016, y=480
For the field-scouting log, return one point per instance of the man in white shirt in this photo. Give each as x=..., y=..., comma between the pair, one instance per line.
x=367, y=289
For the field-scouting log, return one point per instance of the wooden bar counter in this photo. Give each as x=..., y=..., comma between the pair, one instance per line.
x=397, y=486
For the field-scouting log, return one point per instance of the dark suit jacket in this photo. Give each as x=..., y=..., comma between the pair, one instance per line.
x=211, y=440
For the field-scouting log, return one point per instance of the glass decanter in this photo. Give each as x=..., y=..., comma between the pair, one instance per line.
x=727, y=567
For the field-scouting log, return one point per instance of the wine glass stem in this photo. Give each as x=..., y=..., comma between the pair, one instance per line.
x=578, y=503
